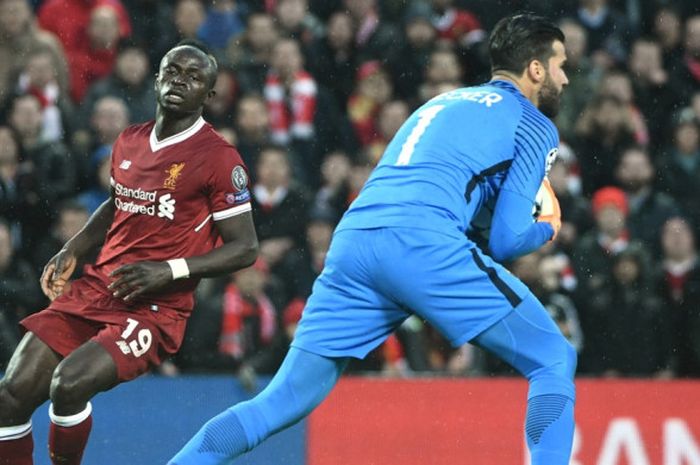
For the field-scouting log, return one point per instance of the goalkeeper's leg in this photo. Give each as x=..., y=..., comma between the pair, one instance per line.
x=529, y=340
x=302, y=382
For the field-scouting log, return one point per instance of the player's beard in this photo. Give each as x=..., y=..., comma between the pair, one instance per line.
x=548, y=97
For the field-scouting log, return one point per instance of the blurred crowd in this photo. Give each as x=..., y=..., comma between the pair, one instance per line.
x=310, y=92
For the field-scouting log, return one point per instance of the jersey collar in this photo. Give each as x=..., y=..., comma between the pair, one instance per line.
x=176, y=138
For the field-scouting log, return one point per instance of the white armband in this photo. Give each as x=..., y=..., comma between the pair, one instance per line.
x=179, y=268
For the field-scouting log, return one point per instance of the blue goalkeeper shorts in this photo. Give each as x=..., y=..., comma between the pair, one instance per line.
x=375, y=278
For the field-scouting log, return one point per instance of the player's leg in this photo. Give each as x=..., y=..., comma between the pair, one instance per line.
x=345, y=317
x=528, y=339
x=85, y=372
x=465, y=294
x=24, y=387
x=302, y=382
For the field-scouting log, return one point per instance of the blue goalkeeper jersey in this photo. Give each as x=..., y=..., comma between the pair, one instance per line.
x=452, y=158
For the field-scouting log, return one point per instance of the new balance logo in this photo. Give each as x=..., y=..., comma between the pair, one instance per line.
x=166, y=207
x=125, y=164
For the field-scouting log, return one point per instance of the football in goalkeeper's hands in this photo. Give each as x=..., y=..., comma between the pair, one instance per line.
x=544, y=203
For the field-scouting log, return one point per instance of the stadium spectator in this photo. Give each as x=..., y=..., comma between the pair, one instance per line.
x=603, y=130
x=235, y=330
x=15, y=201
x=280, y=206
x=95, y=57
x=575, y=208
x=331, y=199
x=648, y=208
x=302, y=114
x=18, y=293
x=294, y=20
x=608, y=31
x=654, y=95
x=70, y=20
x=456, y=25
x=443, y=73
x=332, y=58
x=19, y=39
x=50, y=167
x=582, y=78
x=668, y=30
x=686, y=73
x=252, y=128
x=220, y=108
x=188, y=17
x=678, y=284
x=409, y=65
x=629, y=298
x=302, y=266
x=70, y=218
x=100, y=167
x=679, y=169
x=224, y=20
x=129, y=81
x=373, y=89
x=250, y=52
x=388, y=121
x=592, y=259
x=290, y=94
x=41, y=77
x=152, y=23
x=375, y=39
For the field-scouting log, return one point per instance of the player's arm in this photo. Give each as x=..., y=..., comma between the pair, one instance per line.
x=240, y=249
x=60, y=267
x=513, y=231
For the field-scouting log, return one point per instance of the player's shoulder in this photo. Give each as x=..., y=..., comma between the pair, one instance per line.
x=212, y=142
x=137, y=131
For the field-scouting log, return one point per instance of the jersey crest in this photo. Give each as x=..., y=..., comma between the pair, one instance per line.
x=174, y=172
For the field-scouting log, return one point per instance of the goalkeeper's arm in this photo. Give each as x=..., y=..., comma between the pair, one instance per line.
x=513, y=231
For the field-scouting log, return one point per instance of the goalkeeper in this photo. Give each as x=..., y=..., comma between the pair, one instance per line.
x=478, y=153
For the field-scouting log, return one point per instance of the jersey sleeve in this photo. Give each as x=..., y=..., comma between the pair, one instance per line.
x=513, y=229
x=229, y=186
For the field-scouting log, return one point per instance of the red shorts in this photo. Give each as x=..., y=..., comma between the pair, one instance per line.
x=138, y=337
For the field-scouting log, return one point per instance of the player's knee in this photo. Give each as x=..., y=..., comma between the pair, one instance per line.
x=562, y=359
x=13, y=409
x=68, y=387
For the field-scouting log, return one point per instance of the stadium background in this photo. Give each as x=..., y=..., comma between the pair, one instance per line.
x=310, y=92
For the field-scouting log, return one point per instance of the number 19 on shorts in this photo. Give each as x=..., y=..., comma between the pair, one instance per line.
x=133, y=342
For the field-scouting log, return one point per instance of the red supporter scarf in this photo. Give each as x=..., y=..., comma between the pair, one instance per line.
x=235, y=311
x=297, y=121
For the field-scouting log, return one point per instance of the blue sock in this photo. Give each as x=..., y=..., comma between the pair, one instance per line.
x=548, y=427
x=302, y=382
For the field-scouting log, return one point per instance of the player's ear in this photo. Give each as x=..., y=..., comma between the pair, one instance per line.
x=536, y=71
x=211, y=94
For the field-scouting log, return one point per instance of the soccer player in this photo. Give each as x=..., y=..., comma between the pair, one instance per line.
x=401, y=249
x=179, y=210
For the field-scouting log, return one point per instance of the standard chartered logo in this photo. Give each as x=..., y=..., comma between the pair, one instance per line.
x=165, y=203
x=166, y=206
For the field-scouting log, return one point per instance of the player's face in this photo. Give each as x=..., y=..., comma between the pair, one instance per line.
x=182, y=84
x=554, y=82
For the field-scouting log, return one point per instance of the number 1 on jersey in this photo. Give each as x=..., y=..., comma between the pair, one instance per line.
x=424, y=119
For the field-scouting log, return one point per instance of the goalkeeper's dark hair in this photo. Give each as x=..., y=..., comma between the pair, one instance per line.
x=518, y=39
x=201, y=46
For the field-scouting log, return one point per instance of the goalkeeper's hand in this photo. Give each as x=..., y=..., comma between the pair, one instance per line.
x=547, y=207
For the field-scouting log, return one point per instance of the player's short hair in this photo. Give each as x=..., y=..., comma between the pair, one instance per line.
x=518, y=39
x=201, y=46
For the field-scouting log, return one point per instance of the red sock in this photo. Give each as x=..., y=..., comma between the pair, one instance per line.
x=68, y=437
x=16, y=445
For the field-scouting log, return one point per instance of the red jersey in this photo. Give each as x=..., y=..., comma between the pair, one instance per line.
x=168, y=195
